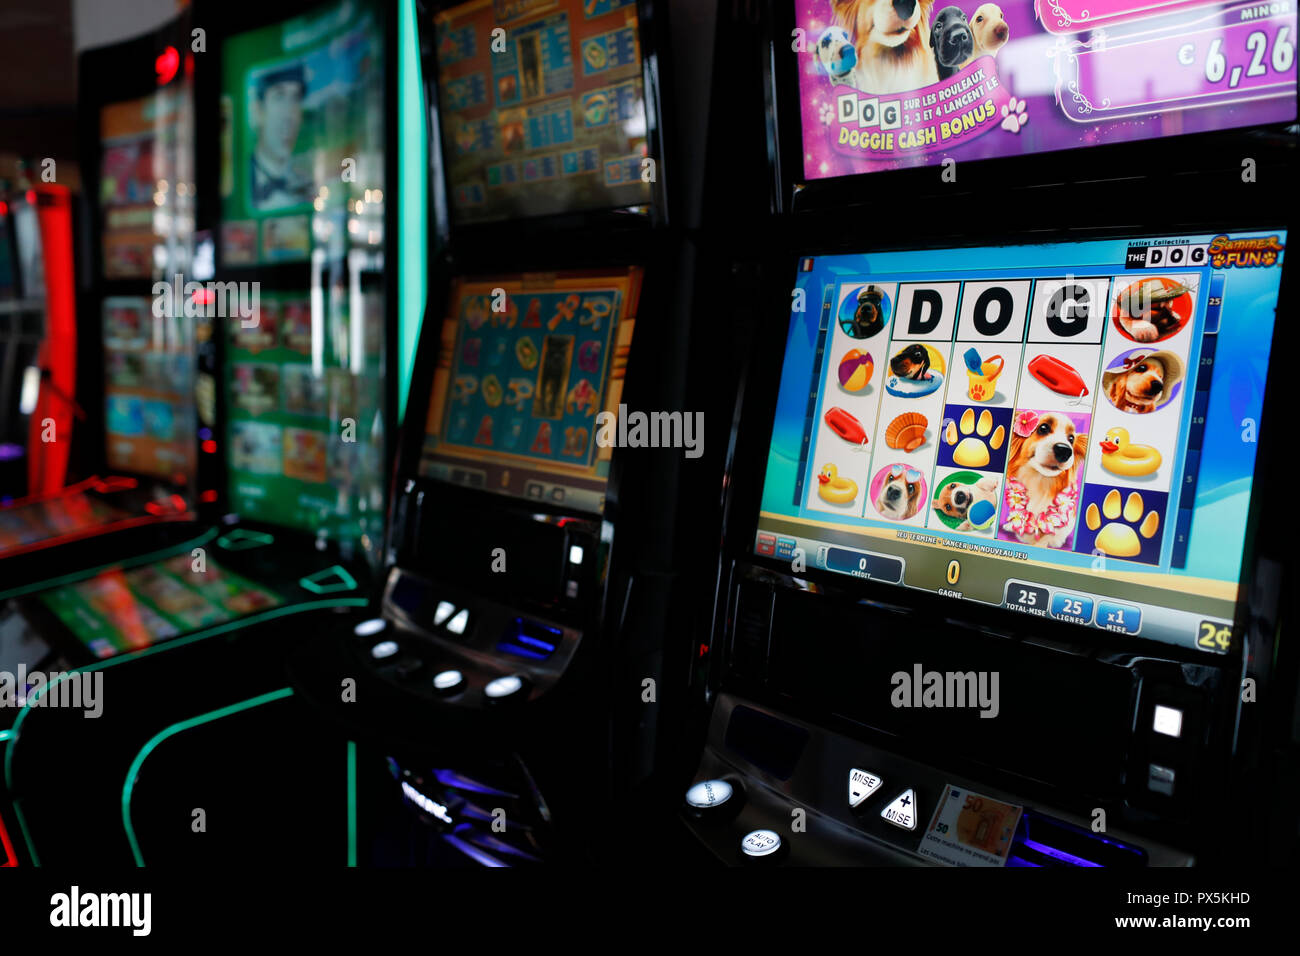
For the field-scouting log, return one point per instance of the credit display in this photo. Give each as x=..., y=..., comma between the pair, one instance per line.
x=888, y=85
x=528, y=368
x=543, y=107
x=1065, y=430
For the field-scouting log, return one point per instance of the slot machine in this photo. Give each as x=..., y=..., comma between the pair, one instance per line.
x=531, y=548
x=112, y=435
x=292, y=307
x=998, y=583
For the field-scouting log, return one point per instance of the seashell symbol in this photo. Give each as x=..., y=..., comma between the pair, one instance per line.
x=907, y=431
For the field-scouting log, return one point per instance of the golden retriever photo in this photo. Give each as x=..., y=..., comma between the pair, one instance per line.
x=1044, y=463
x=892, y=39
x=989, y=29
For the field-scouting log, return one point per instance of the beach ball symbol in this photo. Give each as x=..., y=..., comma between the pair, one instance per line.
x=855, y=370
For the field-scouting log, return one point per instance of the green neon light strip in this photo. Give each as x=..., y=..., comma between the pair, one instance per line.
x=412, y=218
x=5, y=735
x=179, y=728
x=258, y=618
x=91, y=572
x=346, y=581
x=243, y=540
x=352, y=803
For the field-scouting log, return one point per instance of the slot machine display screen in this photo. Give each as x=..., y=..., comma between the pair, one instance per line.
x=305, y=411
x=149, y=385
x=120, y=611
x=528, y=383
x=981, y=80
x=1065, y=430
x=302, y=136
x=547, y=117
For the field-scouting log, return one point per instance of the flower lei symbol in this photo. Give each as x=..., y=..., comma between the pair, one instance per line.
x=1025, y=423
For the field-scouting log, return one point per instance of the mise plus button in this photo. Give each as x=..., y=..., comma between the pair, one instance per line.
x=1123, y=618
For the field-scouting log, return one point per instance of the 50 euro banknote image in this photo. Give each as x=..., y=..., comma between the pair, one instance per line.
x=969, y=829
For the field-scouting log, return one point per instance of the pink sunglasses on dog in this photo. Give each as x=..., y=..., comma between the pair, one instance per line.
x=913, y=476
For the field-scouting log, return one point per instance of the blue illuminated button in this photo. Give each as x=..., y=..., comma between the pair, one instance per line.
x=785, y=547
x=1072, y=607
x=1119, y=617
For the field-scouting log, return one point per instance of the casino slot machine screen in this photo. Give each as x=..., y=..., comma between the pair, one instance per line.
x=1064, y=430
x=1031, y=76
x=547, y=116
x=529, y=372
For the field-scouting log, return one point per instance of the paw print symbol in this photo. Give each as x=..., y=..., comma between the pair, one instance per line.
x=1014, y=116
x=827, y=114
x=969, y=435
x=1119, y=539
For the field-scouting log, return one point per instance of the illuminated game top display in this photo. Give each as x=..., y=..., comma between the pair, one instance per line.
x=146, y=168
x=911, y=83
x=1065, y=430
x=550, y=116
x=526, y=367
x=302, y=136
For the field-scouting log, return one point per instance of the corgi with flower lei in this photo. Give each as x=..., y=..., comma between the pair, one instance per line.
x=1040, y=501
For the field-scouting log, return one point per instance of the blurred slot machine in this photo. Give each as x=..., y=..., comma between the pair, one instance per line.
x=262, y=363
x=525, y=533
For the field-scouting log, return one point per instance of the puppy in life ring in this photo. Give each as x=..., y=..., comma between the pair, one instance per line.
x=834, y=489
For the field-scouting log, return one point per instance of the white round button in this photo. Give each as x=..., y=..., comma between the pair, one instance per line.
x=370, y=627
x=383, y=649
x=503, y=687
x=709, y=793
x=448, y=680
x=761, y=843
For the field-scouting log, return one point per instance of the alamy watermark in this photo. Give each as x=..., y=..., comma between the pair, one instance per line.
x=68, y=690
x=651, y=430
x=954, y=689
x=192, y=299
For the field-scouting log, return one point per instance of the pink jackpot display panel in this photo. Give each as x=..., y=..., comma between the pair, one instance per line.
x=971, y=80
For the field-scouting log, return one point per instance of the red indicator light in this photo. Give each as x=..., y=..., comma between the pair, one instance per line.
x=208, y=496
x=210, y=446
x=154, y=508
x=178, y=502
x=704, y=649
x=168, y=62
x=4, y=208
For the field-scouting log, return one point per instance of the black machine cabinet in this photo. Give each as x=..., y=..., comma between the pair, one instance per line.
x=805, y=757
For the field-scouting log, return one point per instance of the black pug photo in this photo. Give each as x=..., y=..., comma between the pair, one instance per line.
x=952, y=41
x=869, y=317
